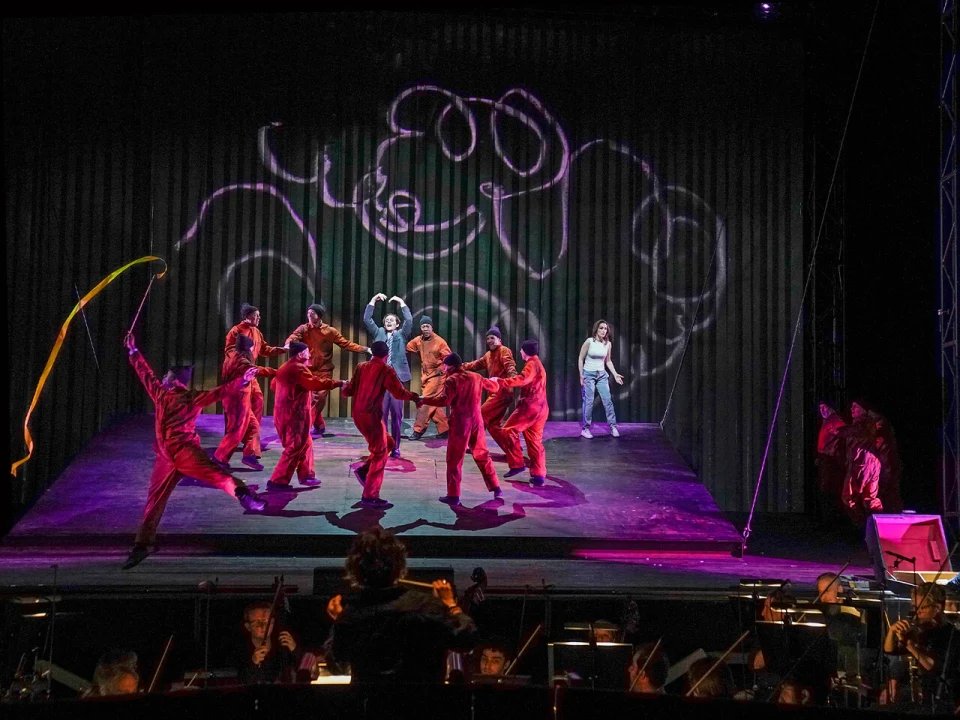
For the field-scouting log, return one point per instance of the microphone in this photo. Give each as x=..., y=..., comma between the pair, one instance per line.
x=898, y=556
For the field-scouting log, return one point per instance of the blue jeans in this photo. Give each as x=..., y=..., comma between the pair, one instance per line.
x=600, y=381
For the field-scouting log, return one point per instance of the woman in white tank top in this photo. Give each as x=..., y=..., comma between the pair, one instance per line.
x=595, y=356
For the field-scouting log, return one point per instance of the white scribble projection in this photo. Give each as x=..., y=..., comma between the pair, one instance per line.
x=670, y=226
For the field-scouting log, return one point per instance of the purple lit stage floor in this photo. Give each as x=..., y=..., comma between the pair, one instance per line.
x=631, y=493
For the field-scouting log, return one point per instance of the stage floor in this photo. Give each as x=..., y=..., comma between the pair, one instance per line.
x=631, y=493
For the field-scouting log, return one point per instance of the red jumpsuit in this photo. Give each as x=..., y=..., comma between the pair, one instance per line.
x=321, y=339
x=529, y=417
x=259, y=348
x=370, y=381
x=497, y=363
x=242, y=425
x=461, y=391
x=291, y=417
x=432, y=352
x=177, y=445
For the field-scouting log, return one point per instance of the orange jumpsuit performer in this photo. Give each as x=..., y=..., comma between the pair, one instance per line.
x=321, y=338
x=249, y=327
x=529, y=417
x=432, y=350
x=370, y=381
x=498, y=362
x=177, y=446
x=291, y=416
x=461, y=391
x=243, y=427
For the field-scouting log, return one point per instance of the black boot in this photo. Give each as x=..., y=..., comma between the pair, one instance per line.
x=250, y=500
x=138, y=554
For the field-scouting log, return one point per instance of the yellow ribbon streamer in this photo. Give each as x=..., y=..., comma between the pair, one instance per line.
x=59, y=343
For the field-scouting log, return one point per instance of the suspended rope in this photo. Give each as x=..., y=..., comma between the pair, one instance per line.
x=806, y=285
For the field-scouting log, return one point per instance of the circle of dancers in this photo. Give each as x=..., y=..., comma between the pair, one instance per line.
x=451, y=398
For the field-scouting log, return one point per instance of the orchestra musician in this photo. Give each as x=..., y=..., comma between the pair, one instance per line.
x=924, y=640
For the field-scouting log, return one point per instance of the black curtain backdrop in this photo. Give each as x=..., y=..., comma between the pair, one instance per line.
x=534, y=172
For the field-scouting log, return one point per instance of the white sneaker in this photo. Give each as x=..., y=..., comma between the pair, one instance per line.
x=614, y=431
x=586, y=433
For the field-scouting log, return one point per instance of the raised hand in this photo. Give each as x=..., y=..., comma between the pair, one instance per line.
x=287, y=641
x=335, y=607
x=398, y=300
x=377, y=298
x=130, y=341
x=443, y=590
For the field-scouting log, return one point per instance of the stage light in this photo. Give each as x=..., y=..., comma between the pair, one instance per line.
x=766, y=10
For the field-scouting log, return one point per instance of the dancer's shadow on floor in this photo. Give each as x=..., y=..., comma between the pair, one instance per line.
x=480, y=517
x=399, y=465
x=556, y=493
x=363, y=519
x=277, y=501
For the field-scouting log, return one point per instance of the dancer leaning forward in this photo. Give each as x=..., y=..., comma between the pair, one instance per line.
x=178, y=446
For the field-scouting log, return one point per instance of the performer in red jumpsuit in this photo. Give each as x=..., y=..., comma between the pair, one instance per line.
x=370, y=381
x=249, y=326
x=291, y=416
x=498, y=362
x=321, y=338
x=432, y=349
x=177, y=446
x=529, y=417
x=461, y=391
x=243, y=427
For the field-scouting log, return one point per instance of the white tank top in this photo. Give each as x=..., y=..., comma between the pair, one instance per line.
x=596, y=354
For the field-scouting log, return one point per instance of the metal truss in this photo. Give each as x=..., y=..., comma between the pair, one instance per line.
x=948, y=312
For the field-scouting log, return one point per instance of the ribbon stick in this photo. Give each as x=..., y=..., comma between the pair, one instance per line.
x=137, y=316
x=28, y=439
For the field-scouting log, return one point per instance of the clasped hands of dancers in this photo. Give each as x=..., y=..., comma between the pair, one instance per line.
x=378, y=387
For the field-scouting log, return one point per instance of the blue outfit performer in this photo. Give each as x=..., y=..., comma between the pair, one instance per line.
x=395, y=336
x=595, y=357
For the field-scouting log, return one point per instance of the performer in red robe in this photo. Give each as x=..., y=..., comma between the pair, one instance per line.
x=831, y=456
x=432, y=349
x=529, y=417
x=461, y=391
x=291, y=417
x=242, y=425
x=497, y=362
x=321, y=338
x=861, y=486
x=370, y=381
x=249, y=326
x=177, y=446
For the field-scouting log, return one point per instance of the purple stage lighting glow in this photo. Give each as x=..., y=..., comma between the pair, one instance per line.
x=766, y=10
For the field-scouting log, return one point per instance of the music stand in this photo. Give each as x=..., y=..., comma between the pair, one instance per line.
x=608, y=663
x=784, y=644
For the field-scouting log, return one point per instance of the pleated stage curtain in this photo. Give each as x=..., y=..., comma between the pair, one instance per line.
x=534, y=172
